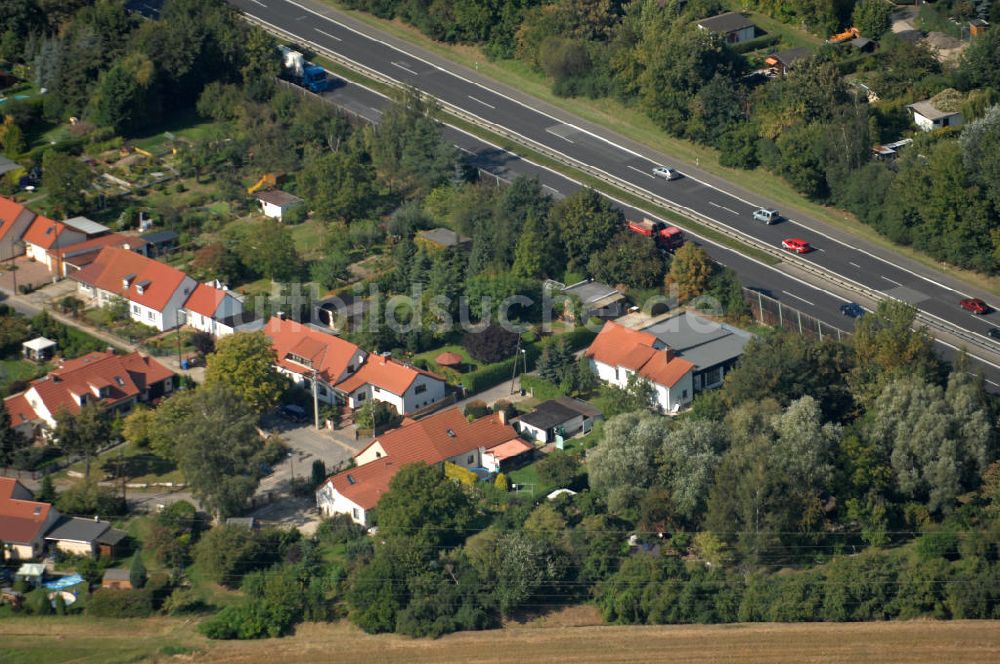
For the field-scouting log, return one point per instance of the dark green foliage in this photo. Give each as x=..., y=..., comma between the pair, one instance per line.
x=424, y=507
x=137, y=571
x=562, y=470
x=112, y=603
x=88, y=498
x=491, y=344
x=227, y=553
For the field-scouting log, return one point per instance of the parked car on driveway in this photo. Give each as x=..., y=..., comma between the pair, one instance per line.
x=796, y=245
x=852, y=310
x=975, y=305
x=766, y=216
x=666, y=173
x=293, y=412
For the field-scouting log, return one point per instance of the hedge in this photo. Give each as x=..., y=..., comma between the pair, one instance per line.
x=111, y=603
x=754, y=44
x=493, y=374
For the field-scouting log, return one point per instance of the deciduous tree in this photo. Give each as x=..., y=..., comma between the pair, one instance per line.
x=244, y=363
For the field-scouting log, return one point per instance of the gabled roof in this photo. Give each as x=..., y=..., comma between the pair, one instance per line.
x=76, y=529
x=278, y=197
x=431, y=440
x=10, y=211
x=86, y=226
x=123, y=376
x=927, y=109
x=160, y=237
x=510, y=449
x=300, y=348
x=114, y=264
x=619, y=346
x=638, y=351
x=44, y=232
x=554, y=412
x=205, y=300
x=384, y=373
x=94, y=245
x=21, y=519
x=20, y=410
x=725, y=23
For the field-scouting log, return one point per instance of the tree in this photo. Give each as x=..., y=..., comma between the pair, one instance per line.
x=690, y=271
x=47, y=491
x=980, y=66
x=124, y=98
x=625, y=457
x=244, y=363
x=491, y=344
x=330, y=270
x=586, y=222
x=638, y=394
x=980, y=141
x=873, y=17
x=211, y=433
x=137, y=571
x=936, y=441
x=339, y=185
x=886, y=347
x=203, y=342
x=227, y=553
x=560, y=469
x=270, y=250
x=217, y=261
x=424, y=507
x=65, y=178
x=11, y=440
x=629, y=259
x=530, y=253
x=137, y=426
x=687, y=461
x=84, y=433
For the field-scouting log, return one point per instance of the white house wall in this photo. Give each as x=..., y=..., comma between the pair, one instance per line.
x=329, y=501
x=371, y=453
x=536, y=434
x=433, y=392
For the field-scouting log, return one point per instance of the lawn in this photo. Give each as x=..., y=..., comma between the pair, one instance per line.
x=14, y=370
x=309, y=236
x=632, y=123
x=469, y=364
x=142, y=466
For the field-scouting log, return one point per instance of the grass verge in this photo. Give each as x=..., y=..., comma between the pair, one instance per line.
x=634, y=124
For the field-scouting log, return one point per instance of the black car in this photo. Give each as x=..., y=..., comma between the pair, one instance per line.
x=994, y=333
x=293, y=412
x=852, y=310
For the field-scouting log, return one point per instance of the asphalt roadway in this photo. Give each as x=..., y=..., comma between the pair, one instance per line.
x=933, y=293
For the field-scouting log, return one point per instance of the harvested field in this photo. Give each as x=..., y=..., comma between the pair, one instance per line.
x=26, y=640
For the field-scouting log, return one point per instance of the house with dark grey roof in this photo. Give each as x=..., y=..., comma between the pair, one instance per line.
x=732, y=26
x=557, y=419
x=713, y=347
x=160, y=242
x=85, y=537
x=782, y=62
x=597, y=300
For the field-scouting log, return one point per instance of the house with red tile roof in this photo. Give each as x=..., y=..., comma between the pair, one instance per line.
x=617, y=353
x=45, y=235
x=23, y=521
x=155, y=292
x=443, y=437
x=65, y=260
x=23, y=417
x=402, y=386
x=304, y=353
x=116, y=382
x=14, y=222
x=217, y=311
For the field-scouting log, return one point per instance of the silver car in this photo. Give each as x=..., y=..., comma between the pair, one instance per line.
x=766, y=216
x=666, y=173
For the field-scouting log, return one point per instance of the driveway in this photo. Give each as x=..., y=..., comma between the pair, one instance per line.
x=27, y=272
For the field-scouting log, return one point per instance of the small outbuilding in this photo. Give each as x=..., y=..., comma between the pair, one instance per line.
x=32, y=573
x=442, y=238
x=597, y=300
x=117, y=578
x=928, y=115
x=557, y=419
x=276, y=203
x=732, y=26
x=161, y=243
x=39, y=349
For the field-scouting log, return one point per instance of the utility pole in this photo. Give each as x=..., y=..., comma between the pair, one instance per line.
x=177, y=321
x=513, y=375
x=315, y=401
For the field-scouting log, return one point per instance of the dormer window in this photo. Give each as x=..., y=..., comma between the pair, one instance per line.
x=141, y=287
x=127, y=280
x=351, y=480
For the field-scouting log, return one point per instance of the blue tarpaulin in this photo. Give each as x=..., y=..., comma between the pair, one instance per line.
x=64, y=582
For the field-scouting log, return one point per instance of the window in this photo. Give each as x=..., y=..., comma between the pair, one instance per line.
x=322, y=391
x=420, y=389
x=360, y=397
x=136, y=309
x=356, y=513
x=684, y=394
x=151, y=315
x=470, y=459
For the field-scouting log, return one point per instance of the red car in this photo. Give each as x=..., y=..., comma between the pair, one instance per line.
x=796, y=245
x=975, y=305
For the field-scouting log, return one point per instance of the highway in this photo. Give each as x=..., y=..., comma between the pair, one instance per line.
x=878, y=270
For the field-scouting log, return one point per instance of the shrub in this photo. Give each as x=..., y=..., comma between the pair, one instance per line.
x=492, y=344
x=476, y=409
x=561, y=469
x=110, y=603
x=339, y=529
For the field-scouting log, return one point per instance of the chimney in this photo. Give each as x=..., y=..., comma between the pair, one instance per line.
x=669, y=353
x=502, y=415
